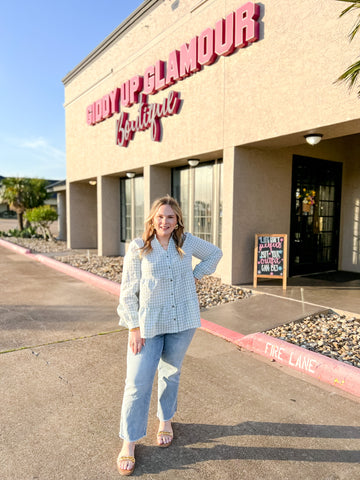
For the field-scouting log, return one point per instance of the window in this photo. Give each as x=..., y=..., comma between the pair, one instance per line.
x=199, y=192
x=132, y=208
x=139, y=206
x=203, y=202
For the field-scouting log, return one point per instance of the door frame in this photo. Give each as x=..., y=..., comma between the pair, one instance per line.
x=317, y=163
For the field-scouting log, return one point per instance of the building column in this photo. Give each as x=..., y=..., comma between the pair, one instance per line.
x=260, y=192
x=61, y=208
x=108, y=216
x=81, y=215
x=229, y=215
x=157, y=183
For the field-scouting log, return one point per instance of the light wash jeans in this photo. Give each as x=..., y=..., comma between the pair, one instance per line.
x=165, y=353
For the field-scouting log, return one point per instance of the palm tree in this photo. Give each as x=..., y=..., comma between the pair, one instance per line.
x=23, y=193
x=12, y=192
x=350, y=76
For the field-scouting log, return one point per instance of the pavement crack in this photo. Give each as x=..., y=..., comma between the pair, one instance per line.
x=34, y=347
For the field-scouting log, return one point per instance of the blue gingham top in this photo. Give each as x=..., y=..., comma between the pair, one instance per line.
x=158, y=292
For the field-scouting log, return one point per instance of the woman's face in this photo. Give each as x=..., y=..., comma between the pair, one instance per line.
x=164, y=221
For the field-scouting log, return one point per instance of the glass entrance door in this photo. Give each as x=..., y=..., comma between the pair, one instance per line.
x=315, y=215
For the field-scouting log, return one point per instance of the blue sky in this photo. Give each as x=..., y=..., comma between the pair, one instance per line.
x=41, y=42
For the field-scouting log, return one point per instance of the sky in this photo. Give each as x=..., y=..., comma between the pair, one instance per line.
x=41, y=42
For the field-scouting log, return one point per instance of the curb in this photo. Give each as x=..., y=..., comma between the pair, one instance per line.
x=13, y=246
x=88, y=277
x=222, y=332
x=327, y=370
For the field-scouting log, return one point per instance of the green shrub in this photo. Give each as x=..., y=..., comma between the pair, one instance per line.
x=14, y=232
x=42, y=217
x=28, y=232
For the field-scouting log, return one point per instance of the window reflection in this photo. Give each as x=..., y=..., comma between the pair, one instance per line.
x=132, y=213
x=139, y=206
x=203, y=194
x=200, y=194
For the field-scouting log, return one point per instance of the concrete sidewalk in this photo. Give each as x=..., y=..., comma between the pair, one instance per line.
x=239, y=416
x=255, y=315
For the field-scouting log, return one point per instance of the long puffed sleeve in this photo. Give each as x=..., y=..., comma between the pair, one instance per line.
x=128, y=309
x=209, y=255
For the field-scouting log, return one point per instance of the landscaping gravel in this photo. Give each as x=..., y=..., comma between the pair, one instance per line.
x=329, y=333
x=335, y=335
x=211, y=291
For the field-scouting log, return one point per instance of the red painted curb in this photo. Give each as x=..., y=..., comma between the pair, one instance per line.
x=13, y=246
x=88, y=277
x=327, y=370
x=95, y=280
x=220, y=331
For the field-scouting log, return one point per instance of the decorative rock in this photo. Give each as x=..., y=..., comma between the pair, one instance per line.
x=327, y=333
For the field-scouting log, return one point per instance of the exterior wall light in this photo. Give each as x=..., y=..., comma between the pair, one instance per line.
x=313, y=138
x=130, y=174
x=193, y=162
x=92, y=182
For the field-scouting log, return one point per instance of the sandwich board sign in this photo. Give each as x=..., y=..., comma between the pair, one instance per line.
x=270, y=257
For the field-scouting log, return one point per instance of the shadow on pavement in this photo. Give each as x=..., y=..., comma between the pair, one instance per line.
x=184, y=455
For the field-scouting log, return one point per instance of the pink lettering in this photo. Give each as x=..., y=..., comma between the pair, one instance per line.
x=155, y=129
x=136, y=86
x=149, y=81
x=173, y=103
x=90, y=115
x=120, y=130
x=115, y=101
x=206, y=52
x=98, y=111
x=125, y=94
x=246, y=25
x=236, y=30
x=188, y=62
x=159, y=75
x=149, y=117
x=172, y=74
x=225, y=35
x=106, y=107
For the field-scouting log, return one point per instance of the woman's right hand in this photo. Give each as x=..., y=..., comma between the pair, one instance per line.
x=135, y=341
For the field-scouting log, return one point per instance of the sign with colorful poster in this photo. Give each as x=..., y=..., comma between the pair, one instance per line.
x=270, y=257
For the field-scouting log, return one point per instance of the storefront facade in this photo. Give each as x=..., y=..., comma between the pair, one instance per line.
x=233, y=85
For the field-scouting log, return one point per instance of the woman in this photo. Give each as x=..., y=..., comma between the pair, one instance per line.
x=159, y=306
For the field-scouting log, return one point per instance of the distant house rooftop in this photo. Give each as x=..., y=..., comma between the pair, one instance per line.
x=57, y=186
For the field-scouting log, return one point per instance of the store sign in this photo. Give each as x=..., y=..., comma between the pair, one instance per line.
x=149, y=117
x=237, y=30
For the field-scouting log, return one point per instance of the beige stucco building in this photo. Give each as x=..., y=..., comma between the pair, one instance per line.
x=241, y=94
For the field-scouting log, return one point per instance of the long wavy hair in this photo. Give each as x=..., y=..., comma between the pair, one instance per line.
x=177, y=234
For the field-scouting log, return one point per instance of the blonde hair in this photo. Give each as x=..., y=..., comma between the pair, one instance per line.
x=149, y=232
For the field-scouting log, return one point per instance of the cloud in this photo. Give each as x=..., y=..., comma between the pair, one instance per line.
x=31, y=157
x=43, y=148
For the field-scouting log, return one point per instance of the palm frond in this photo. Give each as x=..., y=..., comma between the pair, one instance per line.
x=351, y=75
x=354, y=5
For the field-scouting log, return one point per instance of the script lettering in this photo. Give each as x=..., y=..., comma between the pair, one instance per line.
x=149, y=118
